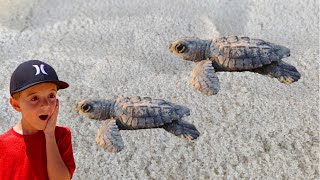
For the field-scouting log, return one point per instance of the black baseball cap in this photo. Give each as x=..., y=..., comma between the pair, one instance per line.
x=34, y=72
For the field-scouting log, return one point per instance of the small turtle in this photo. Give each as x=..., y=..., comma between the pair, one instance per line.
x=130, y=113
x=233, y=53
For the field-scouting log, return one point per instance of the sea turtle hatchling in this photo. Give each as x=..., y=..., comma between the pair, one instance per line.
x=233, y=53
x=130, y=113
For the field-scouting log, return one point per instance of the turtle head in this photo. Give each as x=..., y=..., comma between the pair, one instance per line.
x=190, y=49
x=98, y=109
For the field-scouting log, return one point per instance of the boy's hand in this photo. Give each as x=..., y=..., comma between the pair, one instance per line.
x=51, y=124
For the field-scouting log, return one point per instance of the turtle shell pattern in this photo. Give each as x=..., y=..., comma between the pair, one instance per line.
x=143, y=112
x=238, y=53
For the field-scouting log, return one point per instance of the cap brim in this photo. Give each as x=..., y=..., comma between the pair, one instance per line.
x=60, y=85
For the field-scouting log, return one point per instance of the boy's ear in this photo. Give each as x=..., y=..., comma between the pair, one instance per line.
x=15, y=104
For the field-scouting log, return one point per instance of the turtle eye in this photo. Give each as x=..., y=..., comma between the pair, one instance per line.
x=86, y=108
x=181, y=48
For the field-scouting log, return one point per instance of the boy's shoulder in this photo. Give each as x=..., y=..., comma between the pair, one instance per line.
x=62, y=130
x=6, y=134
x=63, y=135
x=9, y=137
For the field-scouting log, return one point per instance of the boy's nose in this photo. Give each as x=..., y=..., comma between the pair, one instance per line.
x=45, y=103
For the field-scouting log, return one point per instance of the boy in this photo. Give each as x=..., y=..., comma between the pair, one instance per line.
x=35, y=148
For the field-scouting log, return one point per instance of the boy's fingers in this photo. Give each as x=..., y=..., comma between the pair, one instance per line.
x=55, y=112
x=53, y=119
x=57, y=107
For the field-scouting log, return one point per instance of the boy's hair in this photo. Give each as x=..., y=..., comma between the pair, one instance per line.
x=16, y=95
x=33, y=72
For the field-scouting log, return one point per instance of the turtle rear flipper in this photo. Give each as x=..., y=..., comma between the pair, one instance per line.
x=109, y=137
x=204, y=78
x=182, y=129
x=284, y=72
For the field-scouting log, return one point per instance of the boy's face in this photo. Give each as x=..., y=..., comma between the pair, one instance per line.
x=36, y=105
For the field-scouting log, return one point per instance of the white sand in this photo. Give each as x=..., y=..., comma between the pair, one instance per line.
x=254, y=128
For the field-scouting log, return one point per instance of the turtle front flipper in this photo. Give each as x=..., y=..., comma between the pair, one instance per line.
x=284, y=72
x=182, y=129
x=109, y=137
x=204, y=78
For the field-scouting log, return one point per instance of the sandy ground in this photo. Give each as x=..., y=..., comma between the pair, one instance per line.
x=255, y=128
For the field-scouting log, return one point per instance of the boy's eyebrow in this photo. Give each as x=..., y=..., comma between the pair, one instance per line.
x=55, y=90
x=31, y=94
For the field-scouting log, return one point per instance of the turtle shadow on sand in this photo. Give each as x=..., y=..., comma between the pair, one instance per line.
x=227, y=17
x=230, y=17
x=132, y=113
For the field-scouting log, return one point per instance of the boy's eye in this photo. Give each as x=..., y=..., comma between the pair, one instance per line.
x=52, y=96
x=34, y=98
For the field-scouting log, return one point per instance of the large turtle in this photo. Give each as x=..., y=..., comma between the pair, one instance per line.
x=233, y=53
x=130, y=113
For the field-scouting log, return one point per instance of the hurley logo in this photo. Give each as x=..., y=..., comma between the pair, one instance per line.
x=40, y=69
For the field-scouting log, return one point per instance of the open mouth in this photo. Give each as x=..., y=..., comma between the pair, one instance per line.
x=43, y=117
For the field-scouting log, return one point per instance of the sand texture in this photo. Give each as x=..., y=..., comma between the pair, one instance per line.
x=254, y=128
